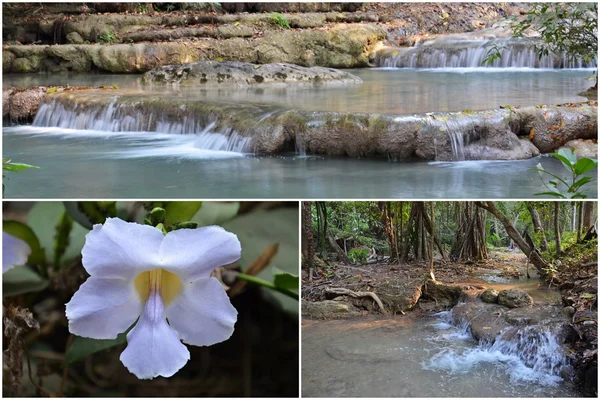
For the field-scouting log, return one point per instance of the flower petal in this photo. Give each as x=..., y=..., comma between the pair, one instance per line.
x=202, y=314
x=120, y=249
x=153, y=347
x=103, y=308
x=194, y=253
x=15, y=252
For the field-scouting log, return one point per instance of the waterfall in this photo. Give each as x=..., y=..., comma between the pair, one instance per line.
x=113, y=117
x=530, y=354
x=460, y=53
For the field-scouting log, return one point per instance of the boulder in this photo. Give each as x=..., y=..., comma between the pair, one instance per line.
x=490, y=296
x=583, y=148
x=23, y=104
x=514, y=298
x=443, y=295
x=327, y=309
x=241, y=73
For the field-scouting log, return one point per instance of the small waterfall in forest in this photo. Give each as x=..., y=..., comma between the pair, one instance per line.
x=113, y=117
x=530, y=354
x=445, y=52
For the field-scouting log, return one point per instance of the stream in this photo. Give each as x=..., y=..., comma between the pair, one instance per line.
x=106, y=164
x=434, y=356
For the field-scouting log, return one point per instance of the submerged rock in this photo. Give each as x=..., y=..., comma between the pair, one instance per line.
x=489, y=296
x=241, y=73
x=327, y=309
x=514, y=298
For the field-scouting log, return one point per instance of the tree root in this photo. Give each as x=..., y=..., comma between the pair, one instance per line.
x=348, y=292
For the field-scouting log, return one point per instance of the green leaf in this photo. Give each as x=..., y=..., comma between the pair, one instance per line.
x=216, y=213
x=581, y=182
x=82, y=347
x=21, y=280
x=569, y=154
x=42, y=219
x=559, y=195
x=285, y=280
x=180, y=211
x=22, y=231
x=584, y=165
x=258, y=230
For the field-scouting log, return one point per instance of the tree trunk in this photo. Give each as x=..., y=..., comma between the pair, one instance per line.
x=537, y=226
x=535, y=257
x=470, y=240
x=308, y=242
x=338, y=250
x=557, y=228
x=431, y=275
x=588, y=215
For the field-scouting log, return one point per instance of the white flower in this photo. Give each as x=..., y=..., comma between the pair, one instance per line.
x=136, y=271
x=15, y=252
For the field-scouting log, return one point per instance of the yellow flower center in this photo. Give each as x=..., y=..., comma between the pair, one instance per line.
x=167, y=284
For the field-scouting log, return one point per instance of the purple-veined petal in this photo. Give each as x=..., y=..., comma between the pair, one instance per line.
x=120, y=249
x=154, y=348
x=103, y=308
x=202, y=314
x=194, y=253
x=15, y=252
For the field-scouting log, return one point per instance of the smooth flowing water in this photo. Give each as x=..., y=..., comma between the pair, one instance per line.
x=99, y=163
x=435, y=356
x=383, y=91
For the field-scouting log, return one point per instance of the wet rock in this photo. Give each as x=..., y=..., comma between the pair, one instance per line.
x=489, y=296
x=514, y=298
x=443, y=295
x=327, y=309
x=240, y=73
x=583, y=148
x=551, y=127
x=22, y=104
x=74, y=38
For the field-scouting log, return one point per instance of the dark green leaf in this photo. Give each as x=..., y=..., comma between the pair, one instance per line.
x=584, y=165
x=21, y=280
x=581, y=182
x=61, y=238
x=285, y=280
x=82, y=347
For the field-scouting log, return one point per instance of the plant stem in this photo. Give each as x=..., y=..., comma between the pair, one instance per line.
x=262, y=282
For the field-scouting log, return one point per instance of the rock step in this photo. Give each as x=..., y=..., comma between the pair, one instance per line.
x=342, y=46
x=491, y=134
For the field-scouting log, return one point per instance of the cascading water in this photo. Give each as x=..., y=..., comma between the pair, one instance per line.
x=113, y=117
x=460, y=53
x=530, y=354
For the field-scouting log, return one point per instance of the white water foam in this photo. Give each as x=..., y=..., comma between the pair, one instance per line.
x=531, y=354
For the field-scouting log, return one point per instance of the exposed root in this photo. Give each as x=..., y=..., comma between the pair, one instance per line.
x=348, y=292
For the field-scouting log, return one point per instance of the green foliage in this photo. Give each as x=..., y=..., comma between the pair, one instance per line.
x=22, y=280
x=279, y=20
x=358, y=255
x=568, y=28
x=107, y=36
x=285, y=280
x=61, y=238
x=82, y=347
x=9, y=166
x=572, y=189
x=180, y=211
